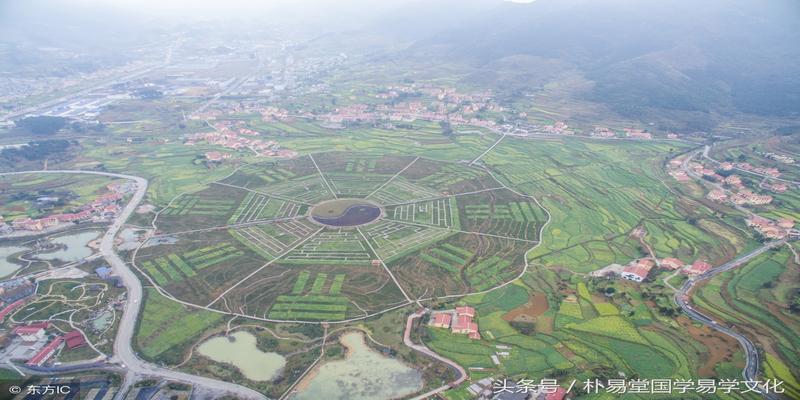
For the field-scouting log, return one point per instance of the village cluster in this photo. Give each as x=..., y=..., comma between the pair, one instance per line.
x=103, y=208
x=639, y=269
x=233, y=136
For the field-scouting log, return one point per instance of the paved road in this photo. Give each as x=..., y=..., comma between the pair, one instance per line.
x=428, y=352
x=124, y=355
x=682, y=299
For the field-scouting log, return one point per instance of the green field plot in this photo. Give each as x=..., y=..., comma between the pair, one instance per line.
x=447, y=257
x=316, y=306
x=501, y=212
x=331, y=247
x=168, y=327
x=401, y=190
x=392, y=240
x=448, y=177
x=260, y=175
x=213, y=206
x=310, y=189
x=354, y=185
x=440, y=212
x=488, y=272
x=196, y=205
x=256, y=207
x=174, y=268
x=272, y=240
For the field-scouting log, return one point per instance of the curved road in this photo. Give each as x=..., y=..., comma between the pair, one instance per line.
x=124, y=355
x=682, y=299
x=428, y=352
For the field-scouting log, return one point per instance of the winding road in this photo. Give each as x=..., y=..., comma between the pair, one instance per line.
x=124, y=355
x=421, y=348
x=682, y=300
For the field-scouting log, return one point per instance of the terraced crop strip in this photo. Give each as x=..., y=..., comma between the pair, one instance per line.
x=308, y=189
x=257, y=207
x=174, y=268
x=332, y=247
x=514, y=219
x=401, y=190
x=193, y=205
x=487, y=273
x=392, y=239
x=271, y=240
x=448, y=257
x=439, y=212
x=354, y=184
x=320, y=303
x=449, y=175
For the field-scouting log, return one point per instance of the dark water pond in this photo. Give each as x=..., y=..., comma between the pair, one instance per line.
x=352, y=216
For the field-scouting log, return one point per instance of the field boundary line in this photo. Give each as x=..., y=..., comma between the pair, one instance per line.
x=322, y=176
x=386, y=268
x=447, y=196
x=392, y=178
x=503, y=136
x=460, y=231
x=233, y=226
x=275, y=196
x=268, y=263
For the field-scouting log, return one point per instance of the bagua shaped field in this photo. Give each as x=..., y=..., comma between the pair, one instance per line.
x=339, y=236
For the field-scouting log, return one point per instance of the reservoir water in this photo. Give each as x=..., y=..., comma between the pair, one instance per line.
x=365, y=374
x=242, y=353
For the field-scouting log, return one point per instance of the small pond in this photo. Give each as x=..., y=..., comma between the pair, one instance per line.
x=75, y=247
x=7, y=267
x=365, y=374
x=240, y=351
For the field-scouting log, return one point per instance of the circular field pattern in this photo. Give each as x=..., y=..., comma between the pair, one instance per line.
x=345, y=212
x=339, y=236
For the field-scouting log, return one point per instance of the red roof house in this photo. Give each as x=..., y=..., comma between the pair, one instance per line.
x=46, y=352
x=442, y=320
x=699, y=267
x=466, y=310
x=9, y=308
x=74, y=339
x=559, y=394
x=671, y=263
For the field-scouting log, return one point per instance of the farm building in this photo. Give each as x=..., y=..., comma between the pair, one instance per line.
x=697, y=268
x=46, y=352
x=30, y=333
x=638, y=270
x=9, y=308
x=74, y=339
x=671, y=263
x=459, y=320
x=441, y=320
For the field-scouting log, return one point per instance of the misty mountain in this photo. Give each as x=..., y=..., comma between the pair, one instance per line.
x=714, y=55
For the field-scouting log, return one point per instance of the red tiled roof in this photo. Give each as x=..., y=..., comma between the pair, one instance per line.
x=74, y=339
x=672, y=263
x=698, y=267
x=10, y=308
x=461, y=322
x=46, y=352
x=27, y=330
x=442, y=319
x=559, y=394
x=466, y=310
